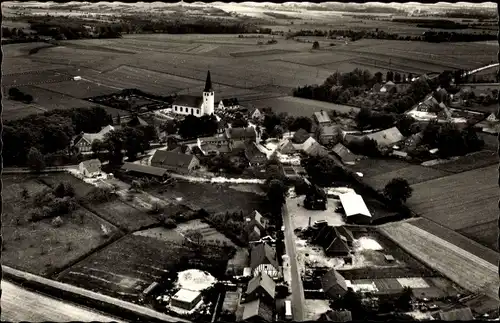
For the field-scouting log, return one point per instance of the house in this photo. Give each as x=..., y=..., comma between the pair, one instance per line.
x=144, y=170
x=263, y=259
x=173, y=161
x=329, y=134
x=300, y=136
x=388, y=87
x=355, y=208
x=386, y=137
x=136, y=121
x=333, y=284
x=322, y=118
x=257, y=311
x=90, y=168
x=186, y=299
x=343, y=231
x=84, y=141
x=315, y=199
x=459, y=314
x=286, y=147
x=196, y=105
x=261, y=287
x=256, y=225
x=239, y=136
x=214, y=145
x=312, y=148
x=256, y=114
x=336, y=316
x=230, y=104
x=332, y=241
x=377, y=87
x=254, y=156
x=345, y=155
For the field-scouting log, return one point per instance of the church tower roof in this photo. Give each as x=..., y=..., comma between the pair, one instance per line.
x=208, y=83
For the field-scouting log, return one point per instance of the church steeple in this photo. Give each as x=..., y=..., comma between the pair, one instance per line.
x=208, y=84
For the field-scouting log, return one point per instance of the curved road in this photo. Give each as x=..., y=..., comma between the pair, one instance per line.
x=19, y=304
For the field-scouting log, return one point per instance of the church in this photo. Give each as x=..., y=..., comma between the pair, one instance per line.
x=196, y=105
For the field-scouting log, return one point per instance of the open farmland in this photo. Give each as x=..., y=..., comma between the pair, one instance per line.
x=39, y=247
x=81, y=188
x=79, y=89
x=40, y=77
x=460, y=266
x=372, y=167
x=20, y=65
x=12, y=110
x=125, y=268
x=469, y=162
x=22, y=49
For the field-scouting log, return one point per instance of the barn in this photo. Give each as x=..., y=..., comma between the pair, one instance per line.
x=356, y=211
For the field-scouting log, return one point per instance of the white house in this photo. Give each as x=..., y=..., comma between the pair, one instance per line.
x=229, y=104
x=90, y=168
x=195, y=105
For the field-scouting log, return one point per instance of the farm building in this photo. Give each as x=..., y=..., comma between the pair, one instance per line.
x=322, y=118
x=386, y=137
x=333, y=284
x=90, y=168
x=256, y=114
x=254, y=156
x=261, y=287
x=293, y=172
x=336, y=316
x=330, y=134
x=343, y=231
x=239, y=136
x=257, y=311
x=186, y=299
x=195, y=105
x=83, y=142
x=263, y=259
x=355, y=208
x=144, y=170
x=231, y=103
x=214, y=145
x=312, y=148
x=459, y=314
x=332, y=241
x=286, y=147
x=174, y=161
x=300, y=136
x=345, y=155
x=315, y=199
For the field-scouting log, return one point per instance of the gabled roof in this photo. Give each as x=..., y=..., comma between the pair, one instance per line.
x=260, y=253
x=148, y=170
x=240, y=133
x=330, y=130
x=285, y=146
x=312, y=148
x=90, y=137
x=137, y=121
x=345, y=232
x=354, y=204
x=300, y=136
x=92, y=165
x=338, y=245
x=322, y=117
x=251, y=151
x=459, y=314
x=188, y=101
x=333, y=278
x=172, y=159
x=265, y=282
x=387, y=137
x=258, y=308
x=344, y=153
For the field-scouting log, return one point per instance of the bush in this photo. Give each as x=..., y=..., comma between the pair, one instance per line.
x=169, y=224
x=100, y=195
x=57, y=222
x=64, y=189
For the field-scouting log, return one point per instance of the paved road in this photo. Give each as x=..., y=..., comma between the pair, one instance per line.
x=298, y=299
x=19, y=304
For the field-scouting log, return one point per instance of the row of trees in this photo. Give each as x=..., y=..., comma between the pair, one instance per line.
x=17, y=95
x=442, y=36
x=194, y=127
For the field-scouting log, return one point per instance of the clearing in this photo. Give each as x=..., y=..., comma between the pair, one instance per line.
x=300, y=215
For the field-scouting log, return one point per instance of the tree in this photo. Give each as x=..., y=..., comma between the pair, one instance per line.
x=410, y=77
x=300, y=123
x=315, y=45
x=398, y=190
x=196, y=237
x=35, y=160
x=239, y=121
x=276, y=191
x=379, y=77
x=24, y=194
x=389, y=76
x=403, y=302
x=404, y=124
x=96, y=146
x=397, y=77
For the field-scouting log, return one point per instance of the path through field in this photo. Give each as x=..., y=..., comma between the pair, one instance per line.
x=460, y=266
x=19, y=304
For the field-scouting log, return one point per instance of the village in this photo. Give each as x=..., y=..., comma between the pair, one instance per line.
x=314, y=251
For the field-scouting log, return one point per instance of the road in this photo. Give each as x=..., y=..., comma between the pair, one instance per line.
x=19, y=304
x=298, y=299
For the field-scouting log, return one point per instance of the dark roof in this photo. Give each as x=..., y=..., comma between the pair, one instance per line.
x=459, y=314
x=336, y=316
x=345, y=232
x=259, y=309
x=260, y=253
x=344, y=153
x=170, y=158
x=332, y=240
x=230, y=102
x=251, y=151
x=188, y=100
x=208, y=83
x=300, y=136
x=377, y=87
x=240, y=133
x=262, y=280
x=333, y=278
x=136, y=121
x=148, y=170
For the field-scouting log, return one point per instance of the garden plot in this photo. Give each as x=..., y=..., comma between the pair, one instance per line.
x=300, y=215
x=372, y=167
x=125, y=268
x=210, y=234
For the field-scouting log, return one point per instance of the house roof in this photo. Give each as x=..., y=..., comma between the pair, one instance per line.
x=354, y=204
x=300, y=136
x=240, y=133
x=322, y=117
x=257, y=308
x=256, y=216
x=389, y=83
x=336, y=316
x=173, y=159
x=312, y=148
x=260, y=253
x=185, y=295
x=338, y=244
x=137, y=121
x=188, y=100
x=459, y=314
x=221, y=148
x=264, y=281
x=90, y=137
x=376, y=87
x=285, y=146
x=344, y=153
x=333, y=278
x=386, y=137
x=251, y=151
x=92, y=165
x=345, y=232
x=149, y=170
x=330, y=130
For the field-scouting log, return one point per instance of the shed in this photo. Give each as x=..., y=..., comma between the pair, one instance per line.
x=459, y=314
x=144, y=170
x=355, y=208
x=387, y=137
x=389, y=258
x=333, y=284
x=257, y=310
x=186, y=299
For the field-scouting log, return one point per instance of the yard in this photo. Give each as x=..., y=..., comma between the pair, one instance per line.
x=40, y=247
x=125, y=268
x=210, y=234
x=300, y=215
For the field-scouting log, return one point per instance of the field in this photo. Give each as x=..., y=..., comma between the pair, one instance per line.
x=79, y=89
x=12, y=110
x=464, y=268
x=371, y=167
x=81, y=188
x=125, y=268
x=39, y=247
x=470, y=162
x=41, y=77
